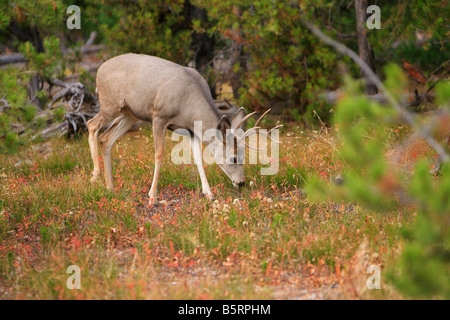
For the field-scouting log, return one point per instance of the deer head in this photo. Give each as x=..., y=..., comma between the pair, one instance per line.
x=229, y=151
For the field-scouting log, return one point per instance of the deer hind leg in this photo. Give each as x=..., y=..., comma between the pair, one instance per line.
x=94, y=125
x=159, y=133
x=117, y=128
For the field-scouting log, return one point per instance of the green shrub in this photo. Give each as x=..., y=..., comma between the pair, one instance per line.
x=283, y=61
x=47, y=63
x=154, y=27
x=375, y=184
x=16, y=108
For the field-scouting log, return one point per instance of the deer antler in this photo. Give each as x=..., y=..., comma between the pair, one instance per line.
x=244, y=119
x=259, y=119
x=256, y=129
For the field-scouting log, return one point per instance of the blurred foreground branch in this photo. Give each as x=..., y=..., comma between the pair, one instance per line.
x=410, y=99
x=405, y=114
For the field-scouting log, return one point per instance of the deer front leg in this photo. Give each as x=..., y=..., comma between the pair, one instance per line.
x=159, y=131
x=196, y=147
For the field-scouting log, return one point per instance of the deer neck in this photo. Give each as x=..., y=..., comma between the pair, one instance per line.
x=207, y=118
x=205, y=121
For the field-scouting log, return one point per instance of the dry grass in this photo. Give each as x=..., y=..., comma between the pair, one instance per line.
x=264, y=242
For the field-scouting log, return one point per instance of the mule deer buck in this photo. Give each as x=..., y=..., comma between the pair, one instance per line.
x=135, y=87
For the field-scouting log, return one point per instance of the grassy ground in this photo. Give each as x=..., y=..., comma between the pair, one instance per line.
x=266, y=241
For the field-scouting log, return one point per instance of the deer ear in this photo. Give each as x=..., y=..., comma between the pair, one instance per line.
x=237, y=117
x=224, y=124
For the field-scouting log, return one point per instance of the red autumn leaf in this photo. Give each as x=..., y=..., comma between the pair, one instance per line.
x=414, y=72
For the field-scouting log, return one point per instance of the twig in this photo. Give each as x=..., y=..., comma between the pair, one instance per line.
x=409, y=117
x=410, y=99
x=438, y=68
x=323, y=124
x=5, y=104
x=90, y=41
x=342, y=35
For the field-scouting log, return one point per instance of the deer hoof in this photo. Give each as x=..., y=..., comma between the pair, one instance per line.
x=209, y=196
x=152, y=201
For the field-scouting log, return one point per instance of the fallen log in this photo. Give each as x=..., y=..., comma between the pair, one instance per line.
x=19, y=58
x=11, y=58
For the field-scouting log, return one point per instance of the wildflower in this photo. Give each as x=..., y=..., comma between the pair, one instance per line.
x=279, y=205
x=267, y=200
x=216, y=206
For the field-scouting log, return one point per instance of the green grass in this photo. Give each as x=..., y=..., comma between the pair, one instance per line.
x=252, y=243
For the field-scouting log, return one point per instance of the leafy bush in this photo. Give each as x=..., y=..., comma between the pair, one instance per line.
x=428, y=56
x=16, y=107
x=18, y=113
x=283, y=61
x=48, y=63
x=151, y=27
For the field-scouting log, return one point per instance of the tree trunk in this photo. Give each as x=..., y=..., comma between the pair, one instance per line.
x=202, y=43
x=32, y=35
x=237, y=57
x=365, y=51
